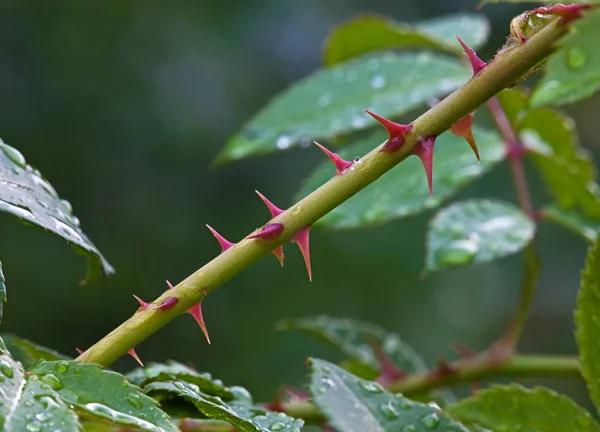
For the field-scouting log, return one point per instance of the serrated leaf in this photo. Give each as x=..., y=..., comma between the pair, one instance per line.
x=403, y=191
x=587, y=323
x=359, y=341
x=330, y=102
x=27, y=404
x=27, y=196
x=173, y=371
x=2, y=292
x=573, y=72
x=502, y=408
x=352, y=404
x=565, y=167
x=29, y=353
x=104, y=395
x=371, y=32
x=244, y=416
x=185, y=424
x=483, y=2
x=476, y=231
x=572, y=221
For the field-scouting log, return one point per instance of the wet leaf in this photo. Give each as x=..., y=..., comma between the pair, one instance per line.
x=370, y=32
x=330, y=102
x=572, y=221
x=30, y=198
x=403, y=191
x=352, y=404
x=476, y=231
x=103, y=395
x=29, y=353
x=2, y=292
x=534, y=410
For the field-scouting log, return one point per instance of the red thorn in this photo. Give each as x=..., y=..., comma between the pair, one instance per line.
x=462, y=350
x=424, y=150
x=388, y=372
x=301, y=238
x=568, y=13
x=475, y=61
x=445, y=368
x=132, y=353
x=223, y=242
x=79, y=351
x=169, y=285
x=143, y=304
x=268, y=233
x=396, y=131
x=463, y=128
x=341, y=165
x=522, y=38
x=196, y=312
x=275, y=211
x=278, y=252
x=167, y=304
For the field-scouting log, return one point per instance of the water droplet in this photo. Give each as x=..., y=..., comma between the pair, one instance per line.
x=371, y=387
x=409, y=428
x=66, y=230
x=52, y=381
x=42, y=416
x=67, y=205
x=357, y=160
x=42, y=204
x=277, y=426
x=378, y=81
x=29, y=403
x=324, y=100
x=304, y=142
x=40, y=181
x=576, y=57
x=404, y=402
x=13, y=154
x=388, y=410
x=283, y=142
x=179, y=385
x=240, y=393
x=431, y=420
x=33, y=427
x=6, y=369
x=459, y=252
x=62, y=367
x=135, y=400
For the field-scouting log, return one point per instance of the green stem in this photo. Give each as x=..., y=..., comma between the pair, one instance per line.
x=506, y=69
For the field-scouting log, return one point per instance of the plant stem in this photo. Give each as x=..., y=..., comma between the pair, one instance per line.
x=467, y=370
x=506, y=69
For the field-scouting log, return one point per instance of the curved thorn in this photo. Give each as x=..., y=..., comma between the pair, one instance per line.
x=79, y=351
x=268, y=233
x=223, y=242
x=301, y=238
x=167, y=304
x=424, y=150
x=169, y=285
x=476, y=63
x=278, y=252
x=133, y=354
x=275, y=211
x=143, y=304
x=463, y=128
x=396, y=131
x=341, y=165
x=196, y=312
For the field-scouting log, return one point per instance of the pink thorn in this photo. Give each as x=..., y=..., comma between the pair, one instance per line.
x=167, y=304
x=268, y=233
x=396, y=131
x=132, y=353
x=475, y=61
x=275, y=211
x=278, y=252
x=223, y=242
x=341, y=165
x=79, y=351
x=143, y=304
x=169, y=285
x=196, y=312
x=301, y=238
x=463, y=128
x=568, y=13
x=424, y=150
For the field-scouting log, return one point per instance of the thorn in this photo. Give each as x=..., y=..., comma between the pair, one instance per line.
x=522, y=38
x=301, y=238
x=268, y=233
x=132, y=353
x=388, y=372
x=424, y=150
x=143, y=304
x=79, y=351
x=167, y=304
x=463, y=128
x=275, y=211
x=396, y=131
x=568, y=13
x=462, y=350
x=445, y=368
x=341, y=165
x=278, y=252
x=225, y=244
x=476, y=63
x=169, y=285
x=196, y=312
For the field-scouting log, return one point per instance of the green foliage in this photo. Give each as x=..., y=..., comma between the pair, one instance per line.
x=476, y=231
x=572, y=221
x=29, y=353
x=2, y=292
x=501, y=408
x=352, y=404
x=370, y=32
x=330, y=102
x=404, y=191
x=28, y=196
x=587, y=323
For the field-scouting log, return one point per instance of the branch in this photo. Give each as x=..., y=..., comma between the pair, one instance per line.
x=507, y=69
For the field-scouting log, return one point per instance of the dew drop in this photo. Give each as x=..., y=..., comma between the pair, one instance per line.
x=33, y=427
x=13, y=154
x=135, y=400
x=52, y=381
x=277, y=426
x=459, y=252
x=371, y=387
x=378, y=81
x=576, y=57
x=283, y=142
x=240, y=393
x=6, y=369
x=388, y=410
x=431, y=420
x=62, y=367
x=42, y=416
x=67, y=205
x=29, y=403
x=409, y=428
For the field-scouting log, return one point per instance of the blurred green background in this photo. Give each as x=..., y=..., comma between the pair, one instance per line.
x=124, y=105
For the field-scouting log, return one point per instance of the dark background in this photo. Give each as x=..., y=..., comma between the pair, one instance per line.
x=123, y=106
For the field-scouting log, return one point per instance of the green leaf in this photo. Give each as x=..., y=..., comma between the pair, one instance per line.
x=371, y=32
x=27, y=404
x=241, y=414
x=103, y=395
x=27, y=196
x=502, y=408
x=403, y=191
x=476, y=231
x=573, y=72
x=572, y=221
x=2, y=292
x=173, y=371
x=355, y=405
x=359, y=341
x=29, y=353
x=532, y=1
x=565, y=167
x=587, y=323
x=330, y=102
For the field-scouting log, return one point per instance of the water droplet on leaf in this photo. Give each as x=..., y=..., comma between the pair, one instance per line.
x=378, y=81
x=576, y=57
x=13, y=154
x=277, y=426
x=62, y=367
x=283, y=142
x=52, y=381
x=389, y=410
x=6, y=369
x=459, y=252
x=431, y=420
x=371, y=387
